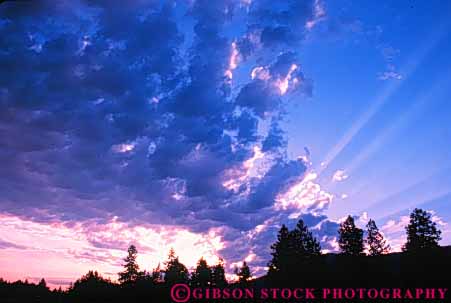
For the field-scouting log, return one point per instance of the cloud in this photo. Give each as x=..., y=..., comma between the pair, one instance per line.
x=339, y=176
x=390, y=74
x=139, y=113
x=318, y=15
x=305, y=195
x=270, y=82
x=53, y=282
x=8, y=245
x=437, y=219
x=392, y=226
x=284, y=24
x=102, y=246
x=389, y=52
x=275, y=138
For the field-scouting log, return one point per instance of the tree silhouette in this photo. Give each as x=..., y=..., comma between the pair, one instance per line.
x=201, y=276
x=292, y=247
x=144, y=277
x=156, y=274
x=393, y=269
x=42, y=284
x=218, y=274
x=92, y=287
x=303, y=243
x=421, y=231
x=350, y=238
x=175, y=271
x=280, y=252
x=131, y=272
x=377, y=245
x=243, y=273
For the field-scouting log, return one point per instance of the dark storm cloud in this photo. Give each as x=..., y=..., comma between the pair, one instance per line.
x=116, y=109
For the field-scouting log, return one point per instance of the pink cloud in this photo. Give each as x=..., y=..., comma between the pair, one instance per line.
x=304, y=195
x=62, y=252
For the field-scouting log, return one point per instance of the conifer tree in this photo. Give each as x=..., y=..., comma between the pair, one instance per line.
x=280, y=252
x=201, y=276
x=175, y=271
x=42, y=284
x=377, y=245
x=156, y=274
x=243, y=273
x=218, y=274
x=422, y=232
x=350, y=238
x=302, y=242
x=91, y=288
x=131, y=272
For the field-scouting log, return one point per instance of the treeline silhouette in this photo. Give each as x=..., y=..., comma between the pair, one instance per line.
x=296, y=261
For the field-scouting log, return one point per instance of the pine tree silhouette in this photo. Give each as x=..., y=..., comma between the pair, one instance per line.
x=422, y=232
x=42, y=284
x=302, y=242
x=293, y=248
x=175, y=271
x=218, y=274
x=280, y=252
x=350, y=238
x=243, y=273
x=131, y=272
x=156, y=275
x=201, y=276
x=377, y=245
x=92, y=287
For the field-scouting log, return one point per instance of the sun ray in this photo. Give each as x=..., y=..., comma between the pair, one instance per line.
x=416, y=189
x=401, y=122
x=410, y=67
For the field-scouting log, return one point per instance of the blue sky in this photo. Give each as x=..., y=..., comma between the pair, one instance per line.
x=206, y=125
x=404, y=140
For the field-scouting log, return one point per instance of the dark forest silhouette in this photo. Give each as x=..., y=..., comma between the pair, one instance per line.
x=296, y=261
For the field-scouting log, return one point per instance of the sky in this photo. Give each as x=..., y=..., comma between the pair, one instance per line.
x=204, y=126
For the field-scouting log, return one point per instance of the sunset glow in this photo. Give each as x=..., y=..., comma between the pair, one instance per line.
x=205, y=126
x=74, y=247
